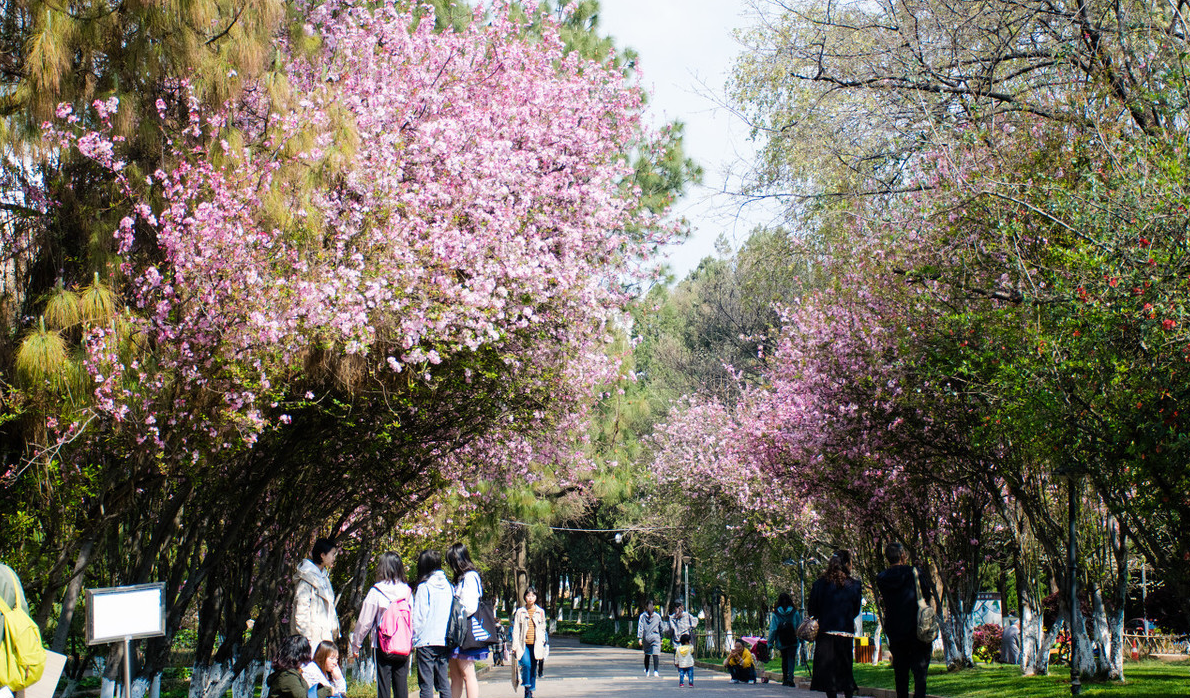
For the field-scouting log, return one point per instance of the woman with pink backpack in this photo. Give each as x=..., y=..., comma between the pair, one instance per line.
x=386, y=617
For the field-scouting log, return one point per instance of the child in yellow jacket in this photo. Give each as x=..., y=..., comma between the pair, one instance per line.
x=684, y=660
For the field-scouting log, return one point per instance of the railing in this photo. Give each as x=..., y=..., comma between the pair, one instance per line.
x=1149, y=645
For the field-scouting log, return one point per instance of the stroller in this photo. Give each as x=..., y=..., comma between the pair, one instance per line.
x=759, y=647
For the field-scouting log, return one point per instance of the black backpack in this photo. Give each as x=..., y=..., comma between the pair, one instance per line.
x=787, y=632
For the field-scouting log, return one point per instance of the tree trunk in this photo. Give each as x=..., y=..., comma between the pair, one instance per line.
x=520, y=555
x=675, y=579
x=70, y=602
x=728, y=637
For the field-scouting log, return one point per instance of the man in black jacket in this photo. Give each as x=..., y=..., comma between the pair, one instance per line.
x=899, y=596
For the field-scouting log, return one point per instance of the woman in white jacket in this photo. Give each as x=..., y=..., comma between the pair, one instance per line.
x=392, y=671
x=431, y=615
x=468, y=590
x=314, y=615
x=528, y=639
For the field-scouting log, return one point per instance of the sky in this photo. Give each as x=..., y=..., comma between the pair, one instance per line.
x=686, y=51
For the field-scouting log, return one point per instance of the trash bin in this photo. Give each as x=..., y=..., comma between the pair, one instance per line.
x=863, y=650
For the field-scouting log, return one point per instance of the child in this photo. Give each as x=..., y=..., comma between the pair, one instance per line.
x=684, y=661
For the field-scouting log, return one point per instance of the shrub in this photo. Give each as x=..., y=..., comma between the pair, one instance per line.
x=985, y=641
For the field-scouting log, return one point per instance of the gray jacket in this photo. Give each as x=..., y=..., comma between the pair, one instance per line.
x=648, y=628
x=681, y=624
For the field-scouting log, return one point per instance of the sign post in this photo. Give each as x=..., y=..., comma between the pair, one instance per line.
x=123, y=614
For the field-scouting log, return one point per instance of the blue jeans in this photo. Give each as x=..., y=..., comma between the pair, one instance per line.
x=686, y=675
x=528, y=669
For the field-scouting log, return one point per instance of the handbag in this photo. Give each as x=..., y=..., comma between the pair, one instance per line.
x=456, y=624
x=482, y=629
x=808, y=629
x=927, y=619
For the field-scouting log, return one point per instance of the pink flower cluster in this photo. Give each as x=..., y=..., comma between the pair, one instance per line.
x=471, y=191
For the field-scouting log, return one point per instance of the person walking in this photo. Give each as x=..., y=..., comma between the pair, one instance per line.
x=684, y=660
x=468, y=590
x=898, y=586
x=835, y=602
x=783, y=624
x=648, y=636
x=286, y=681
x=431, y=615
x=314, y=616
x=392, y=670
x=528, y=639
x=680, y=622
x=1010, y=642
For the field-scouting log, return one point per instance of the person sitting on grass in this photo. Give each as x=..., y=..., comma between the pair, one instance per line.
x=323, y=671
x=740, y=664
x=286, y=680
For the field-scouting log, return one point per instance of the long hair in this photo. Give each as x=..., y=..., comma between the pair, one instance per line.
x=784, y=600
x=459, y=560
x=293, y=653
x=389, y=568
x=326, y=649
x=428, y=562
x=838, y=570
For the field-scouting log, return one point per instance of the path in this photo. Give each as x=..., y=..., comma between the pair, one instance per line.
x=577, y=670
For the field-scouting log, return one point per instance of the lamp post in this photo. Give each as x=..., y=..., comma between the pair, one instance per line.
x=1070, y=474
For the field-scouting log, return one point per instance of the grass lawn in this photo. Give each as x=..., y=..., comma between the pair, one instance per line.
x=1145, y=679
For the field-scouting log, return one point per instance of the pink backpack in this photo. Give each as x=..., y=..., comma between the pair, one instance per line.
x=395, y=631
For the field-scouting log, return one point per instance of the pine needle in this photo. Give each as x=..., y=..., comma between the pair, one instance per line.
x=97, y=304
x=42, y=356
x=62, y=310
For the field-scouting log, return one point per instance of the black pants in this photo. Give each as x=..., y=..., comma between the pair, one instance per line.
x=910, y=655
x=656, y=662
x=432, y=671
x=392, y=675
x=742, y=674
x=788, y=664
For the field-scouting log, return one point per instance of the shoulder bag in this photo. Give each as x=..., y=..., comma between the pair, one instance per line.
x=807, y=630
x=927, y=620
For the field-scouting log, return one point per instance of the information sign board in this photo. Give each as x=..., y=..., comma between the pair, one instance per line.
x=118, y=613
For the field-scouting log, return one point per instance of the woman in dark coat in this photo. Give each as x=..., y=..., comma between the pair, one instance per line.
x=835, y=602
x=286, y=680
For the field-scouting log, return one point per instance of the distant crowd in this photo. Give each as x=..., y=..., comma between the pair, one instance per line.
x=910, y=623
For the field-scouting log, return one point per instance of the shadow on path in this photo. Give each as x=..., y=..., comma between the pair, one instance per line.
x=574, y=670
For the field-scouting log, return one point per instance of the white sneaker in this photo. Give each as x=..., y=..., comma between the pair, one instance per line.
x=656, y=674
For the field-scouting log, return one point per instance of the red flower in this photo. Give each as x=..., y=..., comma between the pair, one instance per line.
x=1168, y=324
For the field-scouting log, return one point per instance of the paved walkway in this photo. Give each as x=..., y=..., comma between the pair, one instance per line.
x=576, y=670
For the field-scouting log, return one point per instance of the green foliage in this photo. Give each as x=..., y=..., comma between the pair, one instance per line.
x=604, y=632
x=1148, y=679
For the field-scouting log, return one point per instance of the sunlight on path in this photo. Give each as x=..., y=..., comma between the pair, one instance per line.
x=575, y=670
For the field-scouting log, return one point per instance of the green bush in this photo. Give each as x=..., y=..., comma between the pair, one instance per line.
x=604, y=633
x=571, y=627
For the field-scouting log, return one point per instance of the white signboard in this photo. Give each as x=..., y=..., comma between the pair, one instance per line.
x=116, y=613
